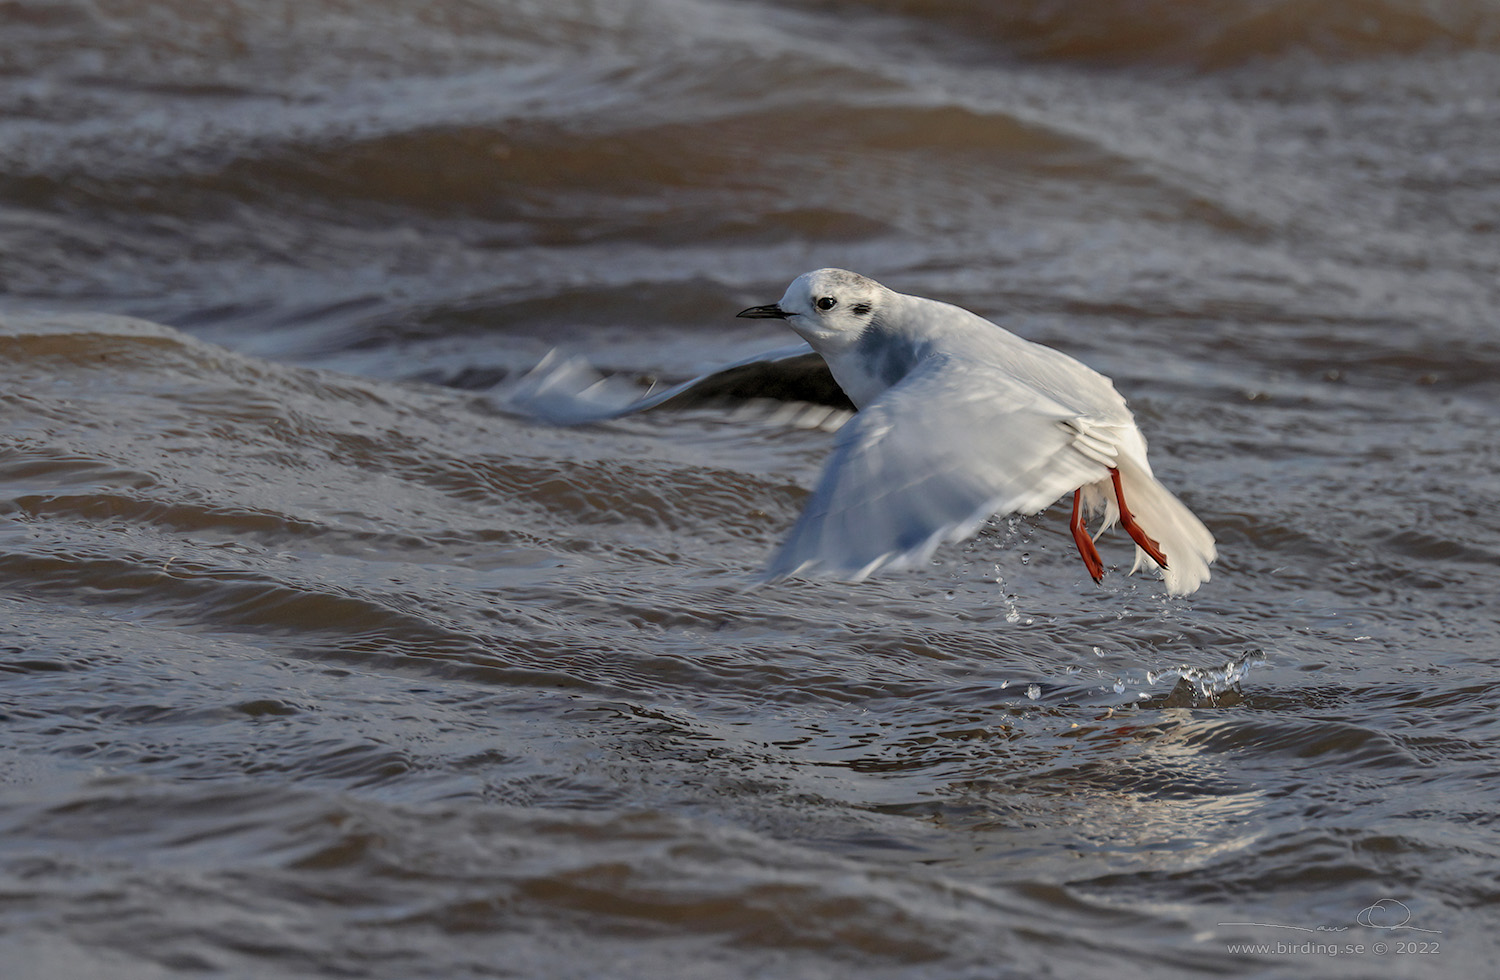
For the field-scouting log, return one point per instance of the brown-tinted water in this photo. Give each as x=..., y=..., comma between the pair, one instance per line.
x=315, y=662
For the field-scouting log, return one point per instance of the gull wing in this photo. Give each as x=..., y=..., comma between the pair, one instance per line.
x=568, y=391
x=934, y=457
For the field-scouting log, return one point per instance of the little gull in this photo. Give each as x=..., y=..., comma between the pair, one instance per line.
x=960, y=420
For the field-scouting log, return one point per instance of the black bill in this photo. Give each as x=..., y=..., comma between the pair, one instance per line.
x=768, y=312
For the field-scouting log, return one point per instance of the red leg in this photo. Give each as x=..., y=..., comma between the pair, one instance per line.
x=1127, y=521
x=1086, y=549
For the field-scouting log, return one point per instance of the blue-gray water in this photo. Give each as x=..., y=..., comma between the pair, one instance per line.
x=313, y=663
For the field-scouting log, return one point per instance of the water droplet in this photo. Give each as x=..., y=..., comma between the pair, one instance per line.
x=1119, y=685
x=1034, y=691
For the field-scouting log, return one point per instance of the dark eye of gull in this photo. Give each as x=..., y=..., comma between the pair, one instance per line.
x=827, y=303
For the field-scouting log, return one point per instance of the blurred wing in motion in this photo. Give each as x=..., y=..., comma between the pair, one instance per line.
x=930, y=460
x=568, y=391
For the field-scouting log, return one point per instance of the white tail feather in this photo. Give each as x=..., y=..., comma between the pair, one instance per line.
x=1186, y=543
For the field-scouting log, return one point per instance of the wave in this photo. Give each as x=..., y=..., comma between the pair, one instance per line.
x=1215, y=35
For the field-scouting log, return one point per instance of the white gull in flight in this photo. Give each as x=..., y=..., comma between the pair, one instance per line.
x=960, y=420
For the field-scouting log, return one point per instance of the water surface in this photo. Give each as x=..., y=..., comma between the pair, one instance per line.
x=318, y=663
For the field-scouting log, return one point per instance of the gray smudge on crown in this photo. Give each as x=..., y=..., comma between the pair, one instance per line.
x=843, y=277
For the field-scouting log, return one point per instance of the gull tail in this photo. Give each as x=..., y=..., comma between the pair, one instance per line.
x=1184, y=541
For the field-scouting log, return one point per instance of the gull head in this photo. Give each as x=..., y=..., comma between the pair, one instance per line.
x=830, y=308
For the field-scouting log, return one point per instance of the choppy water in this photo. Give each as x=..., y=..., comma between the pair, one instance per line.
x=317, y=664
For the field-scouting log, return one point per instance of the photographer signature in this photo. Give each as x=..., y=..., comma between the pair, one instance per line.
x=1387, y=914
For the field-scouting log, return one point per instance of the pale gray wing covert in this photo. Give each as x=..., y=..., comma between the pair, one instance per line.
x=933, y=458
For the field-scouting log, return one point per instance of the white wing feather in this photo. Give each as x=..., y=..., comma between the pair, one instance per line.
x=930, y=460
